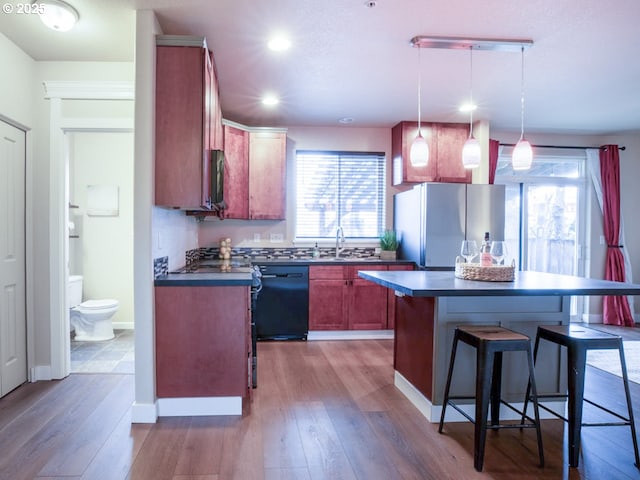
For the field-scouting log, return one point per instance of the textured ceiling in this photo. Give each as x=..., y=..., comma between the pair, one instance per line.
x=349, y=60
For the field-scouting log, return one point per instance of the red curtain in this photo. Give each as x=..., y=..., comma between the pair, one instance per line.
x=615, y=309
x=494, y=146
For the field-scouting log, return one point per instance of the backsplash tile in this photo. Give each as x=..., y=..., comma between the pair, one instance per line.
x=160, y=267
x=286, y=253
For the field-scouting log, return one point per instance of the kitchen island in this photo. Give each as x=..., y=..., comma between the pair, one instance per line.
x=430, y=304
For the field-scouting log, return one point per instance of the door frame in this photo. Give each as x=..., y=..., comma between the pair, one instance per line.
x=59, y=127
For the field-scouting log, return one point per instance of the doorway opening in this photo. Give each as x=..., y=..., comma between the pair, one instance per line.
x=100, y=247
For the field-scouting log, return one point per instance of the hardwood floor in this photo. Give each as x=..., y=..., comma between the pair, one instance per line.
x=322, y=410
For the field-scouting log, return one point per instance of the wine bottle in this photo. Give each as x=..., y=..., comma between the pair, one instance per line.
x=485, y=251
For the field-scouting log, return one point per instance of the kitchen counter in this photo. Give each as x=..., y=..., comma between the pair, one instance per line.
x=209, y=273
x=237, y=277
x=430, y=305
x=445, y=284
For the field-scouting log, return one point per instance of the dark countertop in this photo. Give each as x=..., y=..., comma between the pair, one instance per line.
x=445, y=284
x=207, y=273
x=203, y=279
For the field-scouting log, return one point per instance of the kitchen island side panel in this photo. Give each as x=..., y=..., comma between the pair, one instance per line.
x=424, y=335
x=414, y=341
x=521, y=314
x=201, y=341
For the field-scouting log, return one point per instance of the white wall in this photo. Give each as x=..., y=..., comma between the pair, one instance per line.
x=173, y=234
x=16, y=95
x=301, y=138
x=17, y=107
x=103, y=253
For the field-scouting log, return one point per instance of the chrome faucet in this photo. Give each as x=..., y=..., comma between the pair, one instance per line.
x=339, y=241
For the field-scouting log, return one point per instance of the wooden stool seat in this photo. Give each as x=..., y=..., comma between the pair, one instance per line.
x=578, y=340
x=477, y=333
x=490, y=342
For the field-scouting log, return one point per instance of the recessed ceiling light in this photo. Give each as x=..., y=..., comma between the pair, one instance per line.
x=346, y=120
x=279, y=43
x=467, y=107
x=270, y=100
x=56, y=14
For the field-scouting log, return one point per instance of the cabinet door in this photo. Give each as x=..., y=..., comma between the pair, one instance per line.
x=182, y=153
x=402, y=136
x=367, y=301
x=201, y=341
x=327, y=304
x=236, y=172
x=450, y=139
x=445, y=141
x=391, y=297
x=267, y=159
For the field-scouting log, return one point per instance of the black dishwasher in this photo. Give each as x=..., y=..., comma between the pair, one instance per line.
x=282, y=307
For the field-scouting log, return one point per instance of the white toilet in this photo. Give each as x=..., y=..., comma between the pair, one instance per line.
x=90, y=319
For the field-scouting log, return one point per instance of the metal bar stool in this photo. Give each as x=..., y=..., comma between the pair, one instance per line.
x=490, y=342
x=578, y=340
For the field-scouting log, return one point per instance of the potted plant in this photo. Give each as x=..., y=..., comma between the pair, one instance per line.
x=388, y=245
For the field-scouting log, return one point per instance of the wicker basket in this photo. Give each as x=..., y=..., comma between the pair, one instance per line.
x=494, y=273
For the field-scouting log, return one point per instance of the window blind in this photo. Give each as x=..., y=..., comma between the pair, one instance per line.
x=339, y=189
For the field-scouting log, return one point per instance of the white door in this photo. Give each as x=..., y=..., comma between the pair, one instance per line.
x=13, y=339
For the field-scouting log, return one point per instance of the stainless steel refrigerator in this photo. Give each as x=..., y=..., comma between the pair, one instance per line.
x=432, y=219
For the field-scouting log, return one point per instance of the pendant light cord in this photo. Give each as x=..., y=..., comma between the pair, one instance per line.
x=522, y=94
x=419, y=85
x=471, y=91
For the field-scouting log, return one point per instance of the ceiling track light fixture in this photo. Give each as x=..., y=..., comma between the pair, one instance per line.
x=419, y=153
x=464, y=43
x=522, y=156
x=56, y=14
x=471, y=152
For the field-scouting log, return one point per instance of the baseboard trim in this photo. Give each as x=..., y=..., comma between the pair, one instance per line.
x=123, y=326
x=432, y=412
x=350, y=335
x=198, y=406
x=144, y=412
x=591, y=318
x=40, y=372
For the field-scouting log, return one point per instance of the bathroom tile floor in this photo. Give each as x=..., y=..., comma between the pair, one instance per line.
x=111, y=356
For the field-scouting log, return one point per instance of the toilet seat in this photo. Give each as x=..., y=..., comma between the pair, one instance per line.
x=98, y=304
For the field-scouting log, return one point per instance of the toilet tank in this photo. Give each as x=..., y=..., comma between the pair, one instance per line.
x=74, y=291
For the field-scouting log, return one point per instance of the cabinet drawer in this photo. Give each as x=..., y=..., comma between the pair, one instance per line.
x=353, y=269
x=328, y=272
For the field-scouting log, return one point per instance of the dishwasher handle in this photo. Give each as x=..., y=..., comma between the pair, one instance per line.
x=282, y=275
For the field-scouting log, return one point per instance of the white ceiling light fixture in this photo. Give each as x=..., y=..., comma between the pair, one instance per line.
x=56, y=14
x=467, y=107
x=419, y=153
x=270, y=100
x=279, y=43
x=471, y=152
x=522, y=156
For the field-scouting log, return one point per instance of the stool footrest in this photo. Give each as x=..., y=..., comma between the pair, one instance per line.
x=493, y=427
x=625, y=420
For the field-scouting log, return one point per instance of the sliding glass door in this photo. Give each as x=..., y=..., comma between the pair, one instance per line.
x=545, y=214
